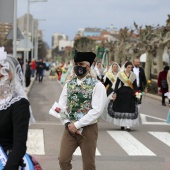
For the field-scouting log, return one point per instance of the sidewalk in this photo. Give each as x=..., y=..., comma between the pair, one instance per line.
x=153, y=96
x=28, y=89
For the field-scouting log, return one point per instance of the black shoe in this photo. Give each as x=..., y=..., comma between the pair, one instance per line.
x=163, y=104
x=122, y=128
x=128, y=129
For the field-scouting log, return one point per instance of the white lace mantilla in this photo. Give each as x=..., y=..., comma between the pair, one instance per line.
x=3, y=71
x=7, y=102
x=11, y=85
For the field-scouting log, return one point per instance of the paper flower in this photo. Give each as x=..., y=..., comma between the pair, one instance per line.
x=148, y=84
x=148, y=81
x=62, y=114
x=57, y=109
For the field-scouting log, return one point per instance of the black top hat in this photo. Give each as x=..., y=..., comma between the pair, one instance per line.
x=84, y=56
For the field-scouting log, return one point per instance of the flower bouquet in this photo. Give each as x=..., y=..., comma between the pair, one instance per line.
x=62, y=114
x=148, y=84
x=64, y=70
x=59, y=112
x=138, y=95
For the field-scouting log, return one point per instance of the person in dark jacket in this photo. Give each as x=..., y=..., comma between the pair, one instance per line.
x=28, y=74
x=140, y=78
x=40, y=70
x=162, y=84
x=14, y=111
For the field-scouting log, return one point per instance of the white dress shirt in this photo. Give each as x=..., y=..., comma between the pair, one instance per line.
x=136, y=71
x=99, y=99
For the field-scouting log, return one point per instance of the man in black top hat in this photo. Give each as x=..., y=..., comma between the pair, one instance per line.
x=84, y=98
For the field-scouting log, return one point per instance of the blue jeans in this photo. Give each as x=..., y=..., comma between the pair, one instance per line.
x=32, y=73
x=40, y=75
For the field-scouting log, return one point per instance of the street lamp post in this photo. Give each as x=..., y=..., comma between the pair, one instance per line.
x=15, y=29
x=33, y=41
x=35, y=38
x=27, y=32
x=36, y=43
x=27, y=29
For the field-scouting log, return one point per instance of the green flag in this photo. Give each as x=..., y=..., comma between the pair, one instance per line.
x=100, y=52
x=72, y=53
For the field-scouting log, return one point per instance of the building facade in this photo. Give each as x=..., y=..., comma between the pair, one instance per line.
x=4, y=30
x=97, y=34
x=58, y=37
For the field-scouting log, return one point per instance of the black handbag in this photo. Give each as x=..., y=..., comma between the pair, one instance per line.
x=164, y=84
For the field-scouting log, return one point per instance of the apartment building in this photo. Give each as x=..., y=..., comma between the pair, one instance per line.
x=58, y=37
x=4, y=30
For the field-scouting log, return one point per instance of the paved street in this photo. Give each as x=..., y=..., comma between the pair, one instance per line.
x=146, y=147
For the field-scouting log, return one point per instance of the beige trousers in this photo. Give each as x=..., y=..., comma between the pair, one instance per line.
x=70, y=142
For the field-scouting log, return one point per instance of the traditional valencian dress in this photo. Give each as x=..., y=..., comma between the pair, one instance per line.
x=124, y=109
x=109, y=82
x=65, y=72
x=99, y=72
x=15, y=116
x=110, y=78
x=79, y=97
x=84, y=99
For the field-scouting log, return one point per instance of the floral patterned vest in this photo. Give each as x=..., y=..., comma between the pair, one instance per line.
x=79, y=97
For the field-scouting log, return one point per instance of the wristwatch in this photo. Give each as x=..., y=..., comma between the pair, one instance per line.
x=66, y=124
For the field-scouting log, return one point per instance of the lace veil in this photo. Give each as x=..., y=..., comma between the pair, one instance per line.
x=114, y=63
x=11, y=90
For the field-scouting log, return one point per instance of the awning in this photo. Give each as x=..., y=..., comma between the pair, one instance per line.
x=22, y=44
x=143, y=58
x=165, y=57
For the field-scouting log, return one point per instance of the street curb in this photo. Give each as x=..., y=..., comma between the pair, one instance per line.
x=28, y=89
x=153, y=96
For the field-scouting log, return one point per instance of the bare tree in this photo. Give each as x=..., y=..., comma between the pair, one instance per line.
x=146, y=43
x=85, y=44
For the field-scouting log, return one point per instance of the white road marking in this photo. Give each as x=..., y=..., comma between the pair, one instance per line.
x=130, y=144
x=35, y=142
x=78, y=152
x=47, y=123
x=162, y=136
x=144, y=121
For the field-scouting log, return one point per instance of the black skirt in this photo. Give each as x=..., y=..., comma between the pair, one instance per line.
x=125, y=105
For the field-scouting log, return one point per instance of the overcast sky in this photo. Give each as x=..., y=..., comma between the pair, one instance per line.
x=67, y=16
